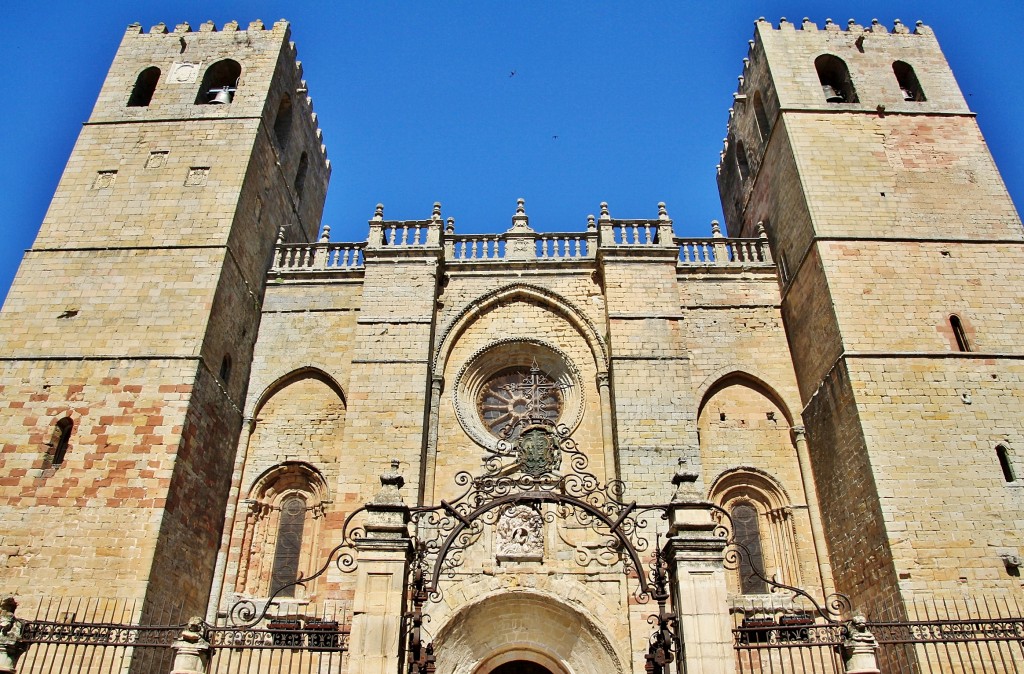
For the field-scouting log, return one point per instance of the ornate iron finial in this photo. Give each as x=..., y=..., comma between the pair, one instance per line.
x=325, y=237
x=378, y=213
x=716, y=229
x=436, y=213
x=450, y=228
x=591, y=223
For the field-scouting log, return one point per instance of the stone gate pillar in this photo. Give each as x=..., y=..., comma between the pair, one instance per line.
x=382, y=555
x=695, y=556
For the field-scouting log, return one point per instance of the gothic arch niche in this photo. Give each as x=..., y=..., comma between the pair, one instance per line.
x=762, y=519
x=292, y=453
x=502, y=334
x=523, y=626
x=745, y=439
x=284, y=514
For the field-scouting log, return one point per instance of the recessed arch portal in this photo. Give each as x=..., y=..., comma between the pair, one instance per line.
x=523, y=627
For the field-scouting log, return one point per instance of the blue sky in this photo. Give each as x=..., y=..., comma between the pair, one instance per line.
x=416, y=102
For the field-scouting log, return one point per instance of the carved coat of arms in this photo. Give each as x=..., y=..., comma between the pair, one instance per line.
x=538, y=451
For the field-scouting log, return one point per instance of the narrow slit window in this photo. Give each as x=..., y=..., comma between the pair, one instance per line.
x=909, y=84
x=288, y=550
x=962, y=342
x=283, y=122
x=300, y=175
x=145, y=87
x=741, y=160
x=1004, y=463
x=59, y=442
x=225, y=368
x=834, y=76
x=747, y=533
x=764, y=128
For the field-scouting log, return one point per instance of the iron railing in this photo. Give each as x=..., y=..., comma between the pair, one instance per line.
x=113, y=636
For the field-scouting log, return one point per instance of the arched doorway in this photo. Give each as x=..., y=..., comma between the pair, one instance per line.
x=521, y=667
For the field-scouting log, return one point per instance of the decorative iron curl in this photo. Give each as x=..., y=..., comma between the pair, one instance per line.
x=244, y=612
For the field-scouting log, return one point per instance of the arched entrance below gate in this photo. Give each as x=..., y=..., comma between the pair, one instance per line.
x=523, y=632
x=521, y=667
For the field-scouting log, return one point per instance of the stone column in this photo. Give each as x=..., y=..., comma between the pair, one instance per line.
x=695, y=556
x=803, y=458
x=611, y=463
x=430, y=457
x=383, y=554
x=192, y=649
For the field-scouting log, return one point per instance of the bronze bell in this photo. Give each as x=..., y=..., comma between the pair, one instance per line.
x=831, y=95
x=221, y=96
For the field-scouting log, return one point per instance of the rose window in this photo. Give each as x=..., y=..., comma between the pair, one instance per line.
x=517, y=396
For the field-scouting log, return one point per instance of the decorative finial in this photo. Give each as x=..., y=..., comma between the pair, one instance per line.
x=591, y=223
x=280, y=235
x=782, y=20
x=378, y=214
x=716, y=230
x=450, y=228
x=684, y=482
x=390, y=482
x=662, y=211
x=520, y=221
x=436, y=214
x=761, y=233
x=325, y=237
x=605, y=215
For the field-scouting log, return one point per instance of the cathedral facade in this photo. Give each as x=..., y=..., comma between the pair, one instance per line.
x=522, y=435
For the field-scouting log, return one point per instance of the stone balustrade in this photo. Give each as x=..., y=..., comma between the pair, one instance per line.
x=321, y=256
x=520, y=243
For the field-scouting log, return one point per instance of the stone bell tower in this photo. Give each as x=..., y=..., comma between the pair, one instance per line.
x=900, y=256
x=127, y=337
